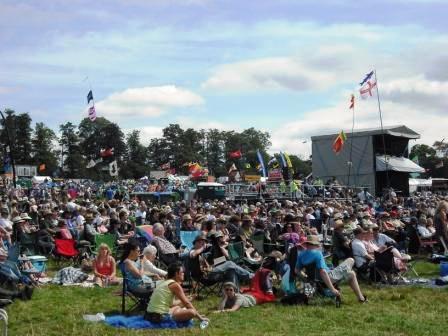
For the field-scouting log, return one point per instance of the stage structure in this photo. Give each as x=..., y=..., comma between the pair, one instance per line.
x=379, y=159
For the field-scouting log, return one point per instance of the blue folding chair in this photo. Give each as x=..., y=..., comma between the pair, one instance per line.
x=187, y=238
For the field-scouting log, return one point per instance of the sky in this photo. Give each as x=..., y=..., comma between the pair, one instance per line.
x=282, y=66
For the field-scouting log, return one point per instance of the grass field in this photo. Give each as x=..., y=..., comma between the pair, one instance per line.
x=57, y=310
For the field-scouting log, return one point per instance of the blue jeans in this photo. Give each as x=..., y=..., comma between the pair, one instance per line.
x=228, y=267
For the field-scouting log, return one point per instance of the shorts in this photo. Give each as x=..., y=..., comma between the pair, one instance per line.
x=343, y=271
x=156, y=317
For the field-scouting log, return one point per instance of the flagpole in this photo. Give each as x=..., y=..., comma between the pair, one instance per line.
x=382, y=129
x=350, y=163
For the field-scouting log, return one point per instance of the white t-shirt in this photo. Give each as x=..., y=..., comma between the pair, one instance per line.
x=6, y=223
x=359, y=252
x=148, y=267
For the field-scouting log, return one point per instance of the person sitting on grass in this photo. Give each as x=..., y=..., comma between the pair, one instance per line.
x=313, y=254
x=232, y=300
x=104, y=267
x=169, y=300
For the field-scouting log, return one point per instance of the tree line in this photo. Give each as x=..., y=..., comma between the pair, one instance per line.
x=68, y=153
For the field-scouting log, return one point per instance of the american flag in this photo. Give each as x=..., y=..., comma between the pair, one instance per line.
x=92, y=113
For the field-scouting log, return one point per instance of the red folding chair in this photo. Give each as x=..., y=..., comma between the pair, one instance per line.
x=65, y=248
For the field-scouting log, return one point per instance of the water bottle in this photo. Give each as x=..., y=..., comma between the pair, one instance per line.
x=106, y=282
x=94, y=318
x=204, y=324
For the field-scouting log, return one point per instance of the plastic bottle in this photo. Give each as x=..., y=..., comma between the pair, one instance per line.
x=204, y=324
x=94, y=318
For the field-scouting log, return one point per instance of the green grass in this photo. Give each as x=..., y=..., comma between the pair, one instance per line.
x=58, y=310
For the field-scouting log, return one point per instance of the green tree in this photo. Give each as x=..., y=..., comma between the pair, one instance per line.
x=42, y=148
x=426, y=157
x=73, y=164
x=135, y=163
x=19, y=128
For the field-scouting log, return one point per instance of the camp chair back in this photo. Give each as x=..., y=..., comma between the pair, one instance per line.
x=187, y=237
x=108, y=239
x=139, y=301
x=202, y=284
x=316, y=287
x=237, y=255
x=385, y=265
x=65, y=248
x=258, y=242
x=28, y=243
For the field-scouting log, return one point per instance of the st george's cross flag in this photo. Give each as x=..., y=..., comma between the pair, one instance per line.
x=367, y=90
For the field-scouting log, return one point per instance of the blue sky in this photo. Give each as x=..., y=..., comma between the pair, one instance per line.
x=286, y=67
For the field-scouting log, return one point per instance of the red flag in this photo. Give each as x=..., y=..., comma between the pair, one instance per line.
x=42, y=167
x=106, y=152
x=236, y=154
x=352, y=102
x=338, y=143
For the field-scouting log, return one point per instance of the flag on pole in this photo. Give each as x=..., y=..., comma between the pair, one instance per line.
x=366, y=90
x=260, y=159
x=288, y=160
x=235, y=154
x=92, y=113
x=42, y=167
x=104, y=153
x=89, y=96
x=366, y=78
x=338, y=143
x=282, y=157
x=352, y=102
x=113, y=168
x=232, y=168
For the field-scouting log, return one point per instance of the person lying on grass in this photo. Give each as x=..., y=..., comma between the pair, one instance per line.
x=169, y=300
x=232, y=301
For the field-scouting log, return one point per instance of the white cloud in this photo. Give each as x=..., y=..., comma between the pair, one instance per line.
x=147, y=133
x=147, y=101
x=418, y=92
x=268, y=73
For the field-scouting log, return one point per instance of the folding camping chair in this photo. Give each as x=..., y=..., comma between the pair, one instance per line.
x=315, y=288
x=140, y=301
x=65, y=248
x=236, y=254
x=187, y=238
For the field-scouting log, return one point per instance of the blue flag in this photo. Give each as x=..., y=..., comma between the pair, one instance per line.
x=89, y=96
x=368, y=76
x=260, y=159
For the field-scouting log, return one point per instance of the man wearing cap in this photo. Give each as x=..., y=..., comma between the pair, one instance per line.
x=313, y=255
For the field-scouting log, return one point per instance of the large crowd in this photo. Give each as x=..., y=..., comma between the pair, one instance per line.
x=256, y=250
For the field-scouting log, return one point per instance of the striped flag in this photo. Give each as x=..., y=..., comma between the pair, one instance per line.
x=92, y=113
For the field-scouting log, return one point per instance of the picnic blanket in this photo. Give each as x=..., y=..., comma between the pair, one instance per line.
x=138, y=322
